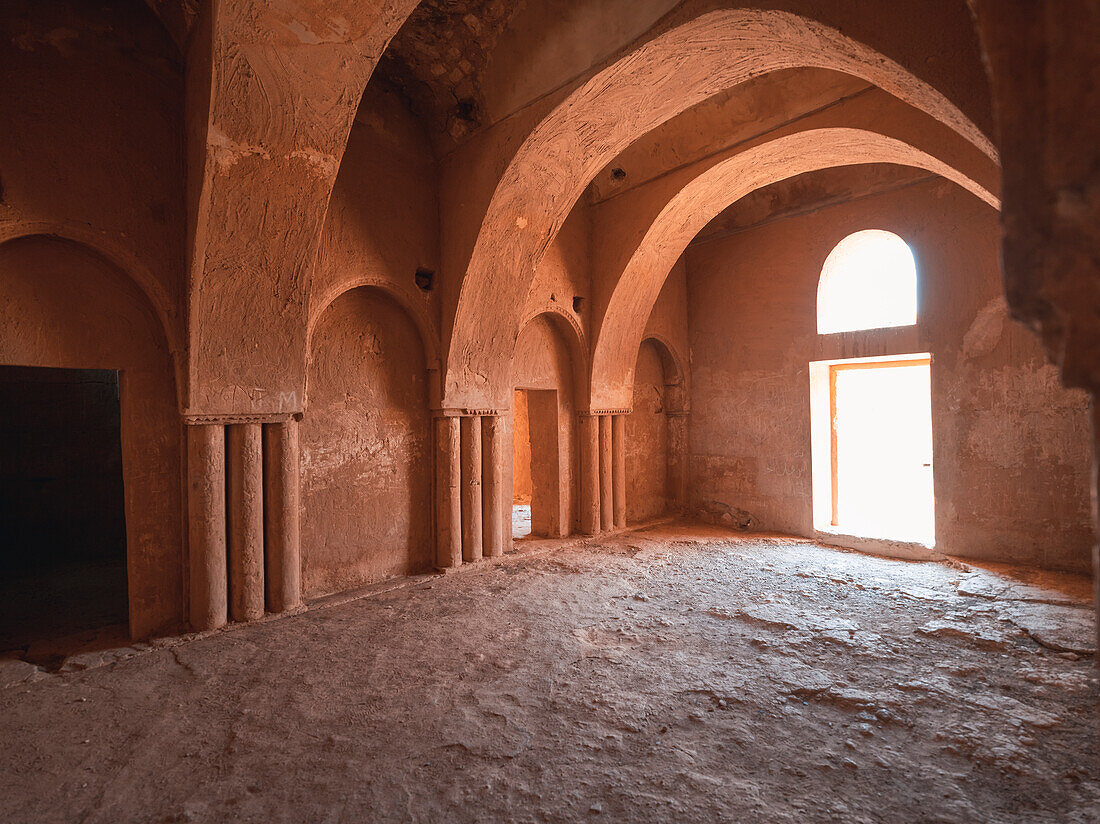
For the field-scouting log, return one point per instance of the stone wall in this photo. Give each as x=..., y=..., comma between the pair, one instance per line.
x=647, y=491
x=365, y=447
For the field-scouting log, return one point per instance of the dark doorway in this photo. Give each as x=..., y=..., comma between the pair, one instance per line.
x=62, y=522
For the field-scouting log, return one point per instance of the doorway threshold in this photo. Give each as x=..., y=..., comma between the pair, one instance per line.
x=902, y=550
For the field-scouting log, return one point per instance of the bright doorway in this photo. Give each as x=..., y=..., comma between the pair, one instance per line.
x=872, y=456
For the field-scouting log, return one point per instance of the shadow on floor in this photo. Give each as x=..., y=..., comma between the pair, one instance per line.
x=49, y=613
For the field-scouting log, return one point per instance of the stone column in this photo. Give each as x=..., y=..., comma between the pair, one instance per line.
x=492, y=495
x=607, y=503
x=1096, y=506
x=206, y=525
x=282, y=534
x=246, y=521
x=448, y=482
x=589, y=432
x=618, y=468
x=472, y=534
x=507, y=460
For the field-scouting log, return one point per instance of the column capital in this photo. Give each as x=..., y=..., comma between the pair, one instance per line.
x=244, y=417
x=597, y=413
x=465, y=412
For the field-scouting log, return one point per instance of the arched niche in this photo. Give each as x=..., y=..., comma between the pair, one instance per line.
x=365, y=446
x=63, y=305
x=416, y=311
x=656, y=434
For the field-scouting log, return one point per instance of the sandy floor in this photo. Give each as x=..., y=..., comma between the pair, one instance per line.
x=675, y=675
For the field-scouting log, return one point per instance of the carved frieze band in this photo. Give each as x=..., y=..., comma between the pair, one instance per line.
x=226, y=420
x=464, y=413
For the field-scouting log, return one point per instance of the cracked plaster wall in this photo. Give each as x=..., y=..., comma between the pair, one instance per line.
x=365, y=447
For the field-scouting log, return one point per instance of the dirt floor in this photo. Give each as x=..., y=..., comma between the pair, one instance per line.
x=679, y=674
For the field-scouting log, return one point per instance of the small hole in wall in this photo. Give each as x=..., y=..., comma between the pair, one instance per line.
x=618, y=174
x=425, y=279
x=578, y=304
x=467, y=109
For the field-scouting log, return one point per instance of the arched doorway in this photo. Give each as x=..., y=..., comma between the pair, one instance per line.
x=540, y=468
x=92, y=464
x=365, y=446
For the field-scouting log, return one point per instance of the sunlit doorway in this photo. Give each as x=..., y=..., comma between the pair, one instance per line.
x=878, y=479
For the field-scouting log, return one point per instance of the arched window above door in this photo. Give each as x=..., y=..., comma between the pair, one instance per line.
x=869, y=281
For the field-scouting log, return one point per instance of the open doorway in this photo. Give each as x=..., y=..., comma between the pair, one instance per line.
x=873, y=475
x=62, y=522
x=536, y=493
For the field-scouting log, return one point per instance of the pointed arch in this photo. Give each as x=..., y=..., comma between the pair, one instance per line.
x=277, y=86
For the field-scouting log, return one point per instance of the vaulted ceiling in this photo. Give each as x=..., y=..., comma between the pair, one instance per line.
x=437, y=58
x=178, y=17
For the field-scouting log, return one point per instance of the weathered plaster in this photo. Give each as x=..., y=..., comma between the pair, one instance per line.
x=647, y=493
x=365, y=445
x=276, y=89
